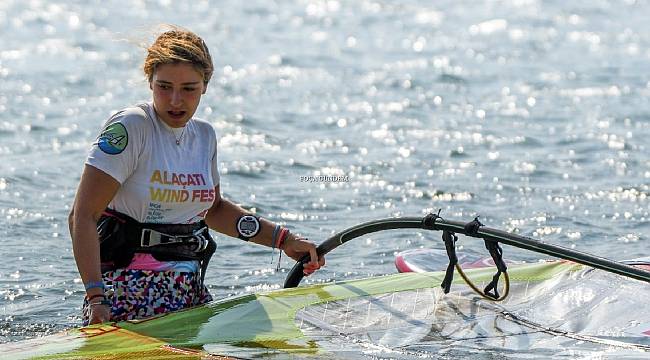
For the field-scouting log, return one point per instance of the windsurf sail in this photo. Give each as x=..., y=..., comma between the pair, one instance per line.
x=558, y=308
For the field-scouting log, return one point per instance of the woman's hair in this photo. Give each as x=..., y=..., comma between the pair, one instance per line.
x=179, y=45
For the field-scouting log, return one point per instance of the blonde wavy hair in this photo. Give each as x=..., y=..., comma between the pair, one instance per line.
x=179, y=45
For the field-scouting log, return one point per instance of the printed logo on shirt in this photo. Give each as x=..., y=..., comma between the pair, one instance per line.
x=113, y=139
x=180, y=181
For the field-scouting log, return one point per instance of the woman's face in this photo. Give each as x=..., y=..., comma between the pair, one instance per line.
x=177, y=90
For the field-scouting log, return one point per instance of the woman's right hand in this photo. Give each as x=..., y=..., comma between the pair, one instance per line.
x=99, y=313
x=96, y=189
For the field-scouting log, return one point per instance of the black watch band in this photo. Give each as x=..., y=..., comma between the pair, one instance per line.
x=248, y=226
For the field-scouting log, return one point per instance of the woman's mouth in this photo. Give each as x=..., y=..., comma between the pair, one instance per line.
x=176, y=114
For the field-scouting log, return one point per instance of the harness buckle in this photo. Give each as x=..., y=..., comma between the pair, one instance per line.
x=202, y=240
x=151, y=237
x=145, y=237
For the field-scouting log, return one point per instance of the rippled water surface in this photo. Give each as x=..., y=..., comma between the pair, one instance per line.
x=533, y=114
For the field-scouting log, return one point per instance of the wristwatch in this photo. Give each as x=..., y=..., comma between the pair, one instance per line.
x=248, y=226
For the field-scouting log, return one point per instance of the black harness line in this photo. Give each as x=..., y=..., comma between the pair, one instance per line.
x=121, y=236
x=491, y=291
x=450, y=246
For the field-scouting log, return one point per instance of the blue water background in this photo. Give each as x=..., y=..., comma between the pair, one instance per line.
x=532, y=114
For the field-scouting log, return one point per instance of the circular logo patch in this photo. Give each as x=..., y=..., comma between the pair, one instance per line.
x=113, y=139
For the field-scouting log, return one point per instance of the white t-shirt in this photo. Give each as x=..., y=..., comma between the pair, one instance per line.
x=161, y=181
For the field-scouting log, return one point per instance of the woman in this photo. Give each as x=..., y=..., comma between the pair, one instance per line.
x=149, y=188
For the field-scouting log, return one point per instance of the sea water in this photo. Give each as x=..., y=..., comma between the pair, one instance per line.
x=532, y=114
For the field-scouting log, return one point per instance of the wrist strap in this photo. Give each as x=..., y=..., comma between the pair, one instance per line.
x=274, y=240
x=91, y=298
x=276, y=231
x=95, y=285
x=103, y=302
x=283, y=235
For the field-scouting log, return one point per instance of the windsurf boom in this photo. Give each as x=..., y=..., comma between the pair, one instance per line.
x=489, y=235
x=558, y=308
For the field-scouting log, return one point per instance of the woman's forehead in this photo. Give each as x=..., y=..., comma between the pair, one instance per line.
x=178, y=73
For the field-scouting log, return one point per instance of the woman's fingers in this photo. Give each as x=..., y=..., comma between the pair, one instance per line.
x=301, y=246
x=310, y=267
x=312, y=253
x=99, y=314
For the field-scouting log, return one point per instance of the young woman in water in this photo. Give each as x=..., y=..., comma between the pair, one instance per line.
x=149, y=192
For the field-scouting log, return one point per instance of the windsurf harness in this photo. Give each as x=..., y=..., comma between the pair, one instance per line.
x=121, y=237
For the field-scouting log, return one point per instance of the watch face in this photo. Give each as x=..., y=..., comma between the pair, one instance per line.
x=248, y=226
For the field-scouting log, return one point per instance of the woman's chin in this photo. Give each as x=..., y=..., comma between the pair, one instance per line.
x=176, y=122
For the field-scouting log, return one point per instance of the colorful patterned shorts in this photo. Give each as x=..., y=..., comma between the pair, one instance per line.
x=137, y=294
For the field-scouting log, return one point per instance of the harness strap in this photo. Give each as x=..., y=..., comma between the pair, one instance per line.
x=497, y=255
x=471, y=229
x=152, y=237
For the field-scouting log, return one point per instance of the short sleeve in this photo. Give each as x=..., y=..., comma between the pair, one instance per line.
x=117, y=148
x=216, y=177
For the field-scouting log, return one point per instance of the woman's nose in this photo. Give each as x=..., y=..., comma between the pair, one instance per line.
x=176, y=99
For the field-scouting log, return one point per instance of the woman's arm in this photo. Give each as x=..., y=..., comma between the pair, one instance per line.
x=223, y=216
x=96, y=189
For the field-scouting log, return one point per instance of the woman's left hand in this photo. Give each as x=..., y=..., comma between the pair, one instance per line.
x=296, y=247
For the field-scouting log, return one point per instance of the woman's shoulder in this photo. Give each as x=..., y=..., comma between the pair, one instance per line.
x=134, y=117
x=204, y=126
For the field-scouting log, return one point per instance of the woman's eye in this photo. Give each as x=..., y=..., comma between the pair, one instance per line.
x=189, y=89
x=164, y=87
